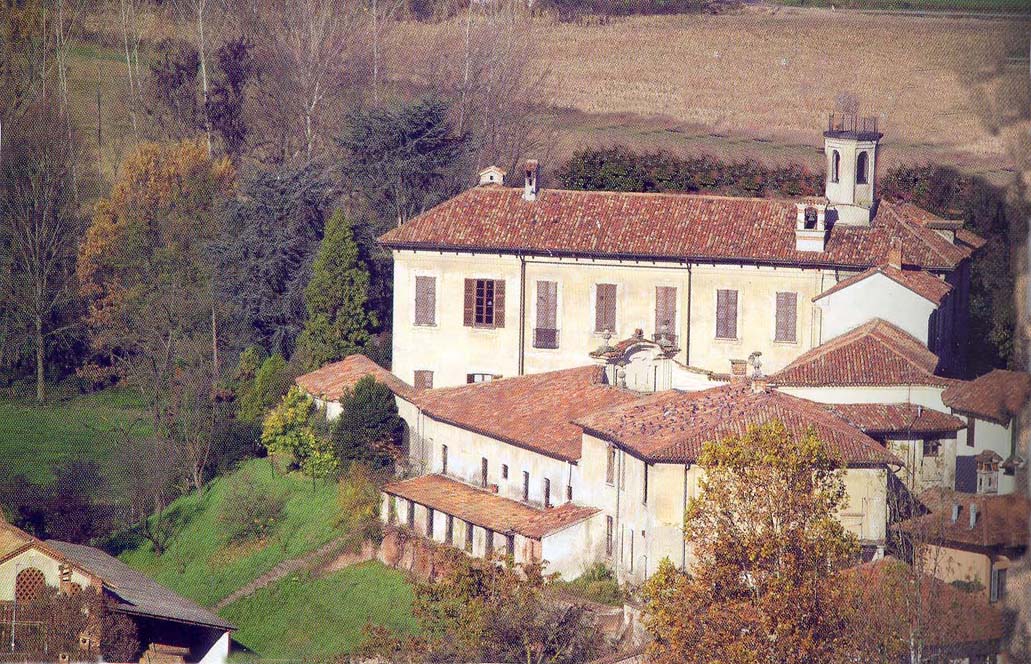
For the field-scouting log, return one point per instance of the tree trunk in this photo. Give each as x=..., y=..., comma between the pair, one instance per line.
x=40, y=393
x=202, y=50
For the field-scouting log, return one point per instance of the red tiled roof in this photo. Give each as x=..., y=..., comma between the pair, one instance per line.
x=998, y=395
x=970, y=238
x=672, y=426
x=948, y=616
x=875, y=353
x=486, y=509
x=331, y=381
x=662, y=226
x=1002, y=520
x=533, y=411
x=922, y=283
x=896, y=417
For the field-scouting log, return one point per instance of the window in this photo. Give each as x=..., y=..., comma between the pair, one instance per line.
x=429, y=523
x=862, y=166
x=605, y=308
x=449, y=532
x=504, y=471
x=787, y=314
x=666, y=312
x=483, y=472
x=423, y=379
x=425, y=300
x=726, y=314
x=835, y=165
x=932, y=448
x=478, y=378
x=526, y=486
x=411, y=514
x=608, y=536
x=545, y=335
x=510, y=544
x=484, y=303
x=610, y=464
x=569, y=493
x=644, y=497
x=547, y=492
x=970, y=431
x=998, y=589
x=443, y=459
x=488, y=548
x=468, y=537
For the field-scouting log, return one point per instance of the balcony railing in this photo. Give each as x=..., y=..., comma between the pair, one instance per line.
x=851, y=122
x=545, y=338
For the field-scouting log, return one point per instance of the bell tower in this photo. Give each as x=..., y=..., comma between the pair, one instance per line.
x=850, y=145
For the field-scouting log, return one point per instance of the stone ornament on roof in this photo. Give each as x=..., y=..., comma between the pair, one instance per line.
x=621, y=352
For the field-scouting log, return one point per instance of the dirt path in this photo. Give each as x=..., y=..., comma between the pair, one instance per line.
x=327, y=554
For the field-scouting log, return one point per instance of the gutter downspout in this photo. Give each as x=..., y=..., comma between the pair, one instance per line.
x=687, y=332
x=619, y=528
x=683, y=562
x=522, y=312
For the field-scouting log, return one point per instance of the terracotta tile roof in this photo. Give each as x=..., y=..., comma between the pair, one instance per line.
x=533, y=411
x=998, y=395
x=331, y=381
x=896, y=417
x=922, y=283
x=875, y=353
x=672, y=426
x=1002, y=520
x=956, y=617
x=486, y=509
x=662, y=226
x=971, y=239
x=11, y=538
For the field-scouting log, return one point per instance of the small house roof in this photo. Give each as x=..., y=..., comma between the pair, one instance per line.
x=1002, y=520
x=904, y=418
x=997, y=395
x=331, y=381
x=924, y=284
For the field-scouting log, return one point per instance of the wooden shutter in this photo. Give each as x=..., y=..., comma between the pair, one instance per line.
x=425, y=300
x=499, y=303
x=787, y=312
x=547, y=304
x=726, y=314
x=666, y=310
x=469, y=314
x=605, y=308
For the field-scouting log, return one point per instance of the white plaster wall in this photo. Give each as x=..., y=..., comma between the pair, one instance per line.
x=923, y=395
x=572, y=550
x=876, y=296
x=925, y=472
x=219, y=652
x=988, y=435
x=44, y=563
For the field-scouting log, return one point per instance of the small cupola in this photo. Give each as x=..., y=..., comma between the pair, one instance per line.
x=851, y=143
x=530, y=183
x=810, y=225
x=492, y=175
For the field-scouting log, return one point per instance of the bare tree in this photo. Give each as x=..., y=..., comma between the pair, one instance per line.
x=132, y=36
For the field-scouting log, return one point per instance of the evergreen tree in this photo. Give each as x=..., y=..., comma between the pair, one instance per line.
x=368, y=427
x=339, y=323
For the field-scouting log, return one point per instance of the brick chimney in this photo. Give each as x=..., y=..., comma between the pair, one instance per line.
x=530, y=183
x=895, y=254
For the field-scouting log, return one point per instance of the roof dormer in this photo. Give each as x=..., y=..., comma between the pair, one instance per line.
x=492, y=175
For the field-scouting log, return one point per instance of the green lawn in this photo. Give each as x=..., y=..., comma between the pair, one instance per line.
x=200, y=564
x=318, y=618
x=34, y=437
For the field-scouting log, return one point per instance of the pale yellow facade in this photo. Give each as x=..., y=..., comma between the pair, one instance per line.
x=452, y=350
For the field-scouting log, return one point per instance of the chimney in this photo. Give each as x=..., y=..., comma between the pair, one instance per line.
x=738, y=369
x=530, y=184
x=492, y=175
x=895, y=254
x=955, y=512
x=810, y=225
x=973, y=515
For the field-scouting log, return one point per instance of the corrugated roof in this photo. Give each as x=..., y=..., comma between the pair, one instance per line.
x=139, y=594
x=998, y=395
x=875, y=353
x=673, y=426
x=486, y=509
x=663, y=226
x=922, y=283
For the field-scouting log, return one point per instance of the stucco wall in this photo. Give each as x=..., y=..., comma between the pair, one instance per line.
x=958, y=565
x=927, y=396
x=876, y=296
x=924, y=472
x=39, y=560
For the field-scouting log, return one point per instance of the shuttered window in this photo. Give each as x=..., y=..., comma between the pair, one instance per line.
x=726, y=314
x=605, y=308
x=666, y=311
x=545, y=335
x=425, y=300
x=484, y=303
x=423, y=379
x=787, y=315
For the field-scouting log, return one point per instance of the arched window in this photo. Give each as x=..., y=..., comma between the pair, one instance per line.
x=811, y=218
x=28, y=585
x=862, y=168
x=835, y=165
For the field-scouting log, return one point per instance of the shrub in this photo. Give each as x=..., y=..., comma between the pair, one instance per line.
x=597, y=584
x=250, y=511
x=271, y=381
x=358, y=500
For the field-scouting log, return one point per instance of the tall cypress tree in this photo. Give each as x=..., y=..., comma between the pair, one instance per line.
x=339, y=322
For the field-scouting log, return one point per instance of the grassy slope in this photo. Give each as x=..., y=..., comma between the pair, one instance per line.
x=199, y=564
x=34, y=438
x=332, y=610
